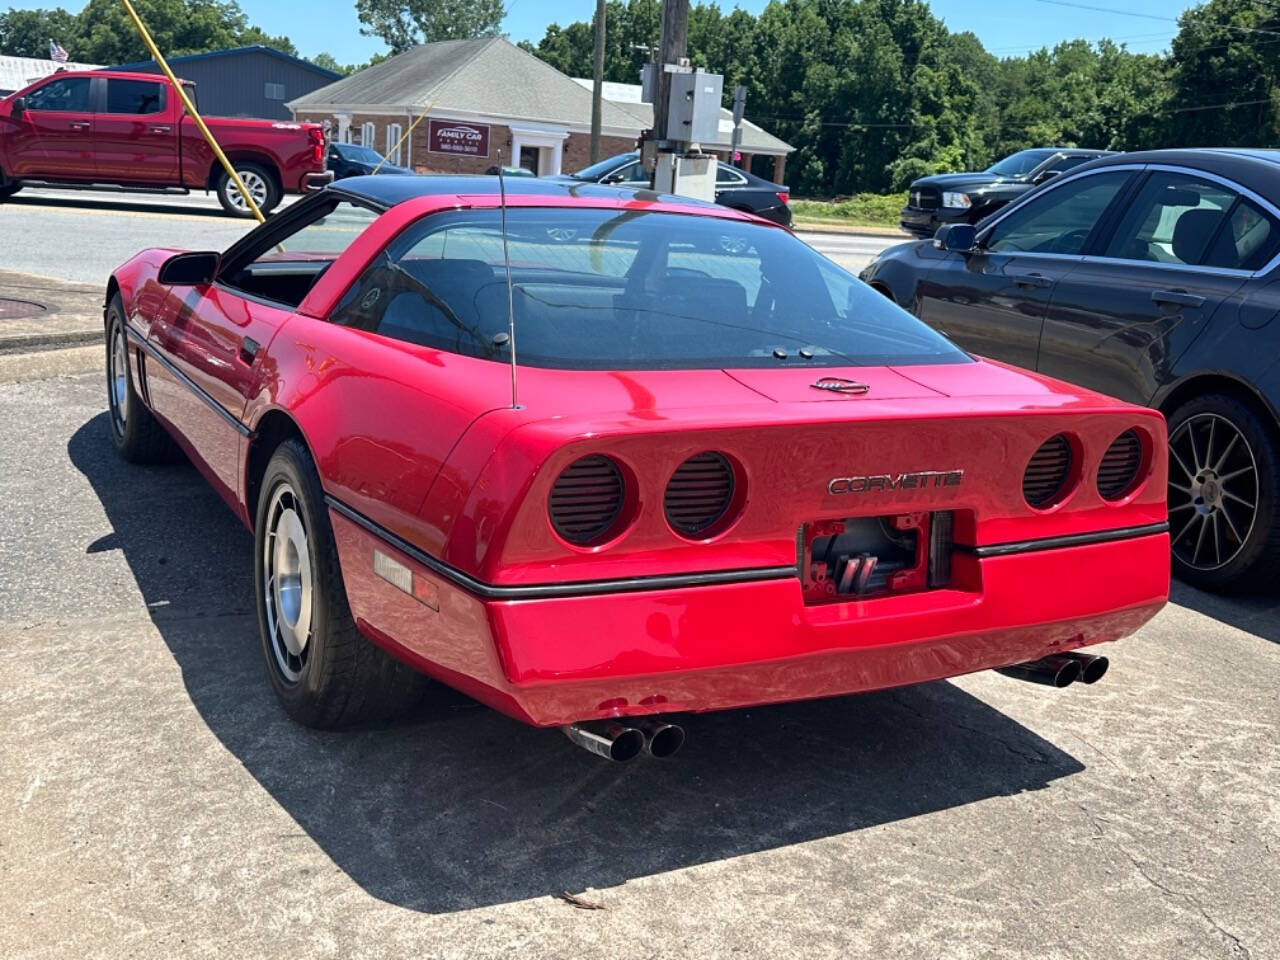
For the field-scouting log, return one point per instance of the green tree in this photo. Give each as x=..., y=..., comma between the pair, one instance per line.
x=405, y=23
x=329, y=62
x=103, y=33
x=26, y=33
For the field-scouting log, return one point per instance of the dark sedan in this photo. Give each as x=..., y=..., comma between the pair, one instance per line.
x=968, y=197
x=1154, y=277
x=353, y=160
x=734, y=188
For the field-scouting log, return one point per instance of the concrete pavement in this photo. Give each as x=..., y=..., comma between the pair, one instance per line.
x=158, y=804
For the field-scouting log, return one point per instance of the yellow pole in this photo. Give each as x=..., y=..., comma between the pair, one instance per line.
x=404, y=136
x=191, y=109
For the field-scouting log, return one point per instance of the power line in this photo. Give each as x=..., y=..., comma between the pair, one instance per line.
x=1148, y=16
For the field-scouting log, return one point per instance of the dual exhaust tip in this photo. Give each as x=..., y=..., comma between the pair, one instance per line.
x=623, y=742
x=1059, y=669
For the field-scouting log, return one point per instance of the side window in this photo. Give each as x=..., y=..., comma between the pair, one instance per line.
x=69, y=95
x=284, y=269
x=1171, y=220
x=135, y=96
x=1066, y=163
x=630, y=173
x=1250, y=239
x=1059, y=220
x=728, y=177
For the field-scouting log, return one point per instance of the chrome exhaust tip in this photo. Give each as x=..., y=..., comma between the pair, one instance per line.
x=1092, y=667
x=607, y=738
x=661, y=739
x=1057, y=670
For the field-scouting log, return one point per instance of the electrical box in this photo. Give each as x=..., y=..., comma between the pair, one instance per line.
x=649, y=83
x=693, y=112
x=686, y=175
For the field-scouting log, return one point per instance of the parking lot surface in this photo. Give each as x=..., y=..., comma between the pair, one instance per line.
x=159, y=804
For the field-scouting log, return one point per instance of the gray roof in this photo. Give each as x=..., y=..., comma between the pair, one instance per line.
x=755, y=139
x=490, y=77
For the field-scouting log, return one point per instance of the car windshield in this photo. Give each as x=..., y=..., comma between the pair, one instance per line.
x=350, y=151
x=598, y=170
x=1020, y=163
x=605, y=289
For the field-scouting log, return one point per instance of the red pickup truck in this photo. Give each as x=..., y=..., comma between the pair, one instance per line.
x=91, y=129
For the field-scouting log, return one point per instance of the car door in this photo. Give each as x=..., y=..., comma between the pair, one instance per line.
x=137, y=141
x=992, y=301
x=53, y=137
x=1120, y=320
x=728, y=180
x=213, y=338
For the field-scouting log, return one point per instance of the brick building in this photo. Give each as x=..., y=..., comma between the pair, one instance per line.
x=487, y=103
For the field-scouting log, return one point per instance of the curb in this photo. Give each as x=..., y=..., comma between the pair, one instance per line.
x=800, y=226
x=40, y=342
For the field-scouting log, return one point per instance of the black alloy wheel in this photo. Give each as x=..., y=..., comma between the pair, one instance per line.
x=1223, y=465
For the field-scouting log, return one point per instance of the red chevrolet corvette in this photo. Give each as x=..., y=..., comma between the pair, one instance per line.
x=596, y=458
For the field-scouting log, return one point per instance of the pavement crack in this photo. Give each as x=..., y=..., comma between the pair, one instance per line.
x=1236, y=946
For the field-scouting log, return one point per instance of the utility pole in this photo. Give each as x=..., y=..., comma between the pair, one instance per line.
x=671, y=49
x=597, y=84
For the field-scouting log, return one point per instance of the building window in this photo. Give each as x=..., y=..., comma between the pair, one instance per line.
x=366, y=135
x=392, y=151
x=273, y=91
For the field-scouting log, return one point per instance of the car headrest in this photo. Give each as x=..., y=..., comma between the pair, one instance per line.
x=1192, y=232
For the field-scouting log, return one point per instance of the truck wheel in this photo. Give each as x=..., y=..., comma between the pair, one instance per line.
x=323, y=670
x=259, y=181
x=136, y=433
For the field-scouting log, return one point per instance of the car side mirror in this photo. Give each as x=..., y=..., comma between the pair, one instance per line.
x=1046, y=175
x=190, y=269
x=956, y=238
x=19, y=106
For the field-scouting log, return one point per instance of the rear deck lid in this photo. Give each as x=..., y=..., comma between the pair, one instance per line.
x=802, y=384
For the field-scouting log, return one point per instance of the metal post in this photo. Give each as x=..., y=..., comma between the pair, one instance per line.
x=739, y=109
x=597, y=84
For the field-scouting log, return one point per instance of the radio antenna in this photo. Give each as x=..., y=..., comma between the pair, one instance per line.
x=511, y=300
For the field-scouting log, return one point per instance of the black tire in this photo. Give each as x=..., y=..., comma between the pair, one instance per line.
x=339, y=678
x=136, y=433
x=7, y=190
x=262, y=183
x=1252, y=558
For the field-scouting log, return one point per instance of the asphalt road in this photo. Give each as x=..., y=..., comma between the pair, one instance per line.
x=156, y=803
x=84, y=236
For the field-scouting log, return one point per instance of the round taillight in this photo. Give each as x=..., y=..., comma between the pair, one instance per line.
x=699, y=494
x=586, y=500
x=1119, y=467
x=1047, y=472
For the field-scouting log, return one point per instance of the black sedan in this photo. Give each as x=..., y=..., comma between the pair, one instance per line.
x=1154, y=277
x=968, y=197
x=734, y=188
x=353, y=160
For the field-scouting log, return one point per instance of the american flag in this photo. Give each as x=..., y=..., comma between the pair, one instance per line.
x=56, y=53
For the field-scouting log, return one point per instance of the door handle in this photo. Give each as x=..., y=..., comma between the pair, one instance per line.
x=79, y=124
x=160, y=130
x=1180, y=297
x=249, y=348
x=1032, y=280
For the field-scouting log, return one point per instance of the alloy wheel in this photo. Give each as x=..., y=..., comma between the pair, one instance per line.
x=118, y=378
x=288, y=584
x=254, y=183
x=1213, y=491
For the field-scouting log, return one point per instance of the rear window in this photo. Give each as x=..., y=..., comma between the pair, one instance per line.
x=135, y=96
x=616, y=290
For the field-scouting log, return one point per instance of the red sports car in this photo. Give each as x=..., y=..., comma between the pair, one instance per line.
x=597, y=458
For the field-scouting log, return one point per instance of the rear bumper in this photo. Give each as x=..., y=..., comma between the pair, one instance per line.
x=692, y=649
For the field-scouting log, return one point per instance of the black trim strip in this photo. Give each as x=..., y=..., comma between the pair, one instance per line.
x=191, y=385
x=588, y=588
x=1069, y=540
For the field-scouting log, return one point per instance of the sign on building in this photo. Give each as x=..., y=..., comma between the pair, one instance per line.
x=458, y=138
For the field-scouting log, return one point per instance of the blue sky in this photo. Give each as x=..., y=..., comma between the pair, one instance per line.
x=1006, y=27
